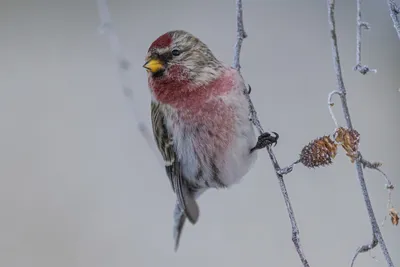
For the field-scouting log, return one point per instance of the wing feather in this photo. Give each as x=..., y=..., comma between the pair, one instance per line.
x=167, y=148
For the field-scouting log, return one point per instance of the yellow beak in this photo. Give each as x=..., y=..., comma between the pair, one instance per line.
x=153, y=65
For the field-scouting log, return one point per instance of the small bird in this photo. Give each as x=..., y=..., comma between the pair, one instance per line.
x=200, y=120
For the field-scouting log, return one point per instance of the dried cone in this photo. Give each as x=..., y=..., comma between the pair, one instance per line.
x=349, y=139
x=394, y=216
x=319, y=152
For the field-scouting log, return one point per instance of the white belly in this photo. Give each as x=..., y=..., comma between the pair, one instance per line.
x=238, y=158
x=232, y=164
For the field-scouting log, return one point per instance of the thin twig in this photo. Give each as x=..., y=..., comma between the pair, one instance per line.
x=389, y=205
x=295, y=229
x=375, y=166
x=241, y=34
x=123, y=69
x=288, y=169
x=361, y=25
x=340, y=84
x=364, y=248
x=331, y=104
x=389, y=186
x=253, y=116
x=394, y=10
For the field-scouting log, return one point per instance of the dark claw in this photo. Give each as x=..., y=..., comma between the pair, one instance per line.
x=249, y=90
x=264, y=140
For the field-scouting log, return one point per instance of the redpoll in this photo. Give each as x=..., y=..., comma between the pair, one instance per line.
x=200, y=119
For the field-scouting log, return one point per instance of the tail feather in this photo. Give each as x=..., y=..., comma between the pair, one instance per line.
x=192, y=211
x=179, y=222
x=180, y=215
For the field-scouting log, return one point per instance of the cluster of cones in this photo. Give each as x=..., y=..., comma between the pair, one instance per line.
x=321, y=151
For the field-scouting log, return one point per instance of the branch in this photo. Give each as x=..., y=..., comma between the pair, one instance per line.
x=364, y=248
x=253, y=116
x=389, y=186
x=241, y=34
x=124, y=66
x=394, y=10
x=340, y=84
x=361, y=25
x=375, y=165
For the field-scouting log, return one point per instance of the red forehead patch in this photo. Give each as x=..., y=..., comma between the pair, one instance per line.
x=161, y=42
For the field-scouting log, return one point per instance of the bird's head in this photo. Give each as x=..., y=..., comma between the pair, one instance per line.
x=179, y=59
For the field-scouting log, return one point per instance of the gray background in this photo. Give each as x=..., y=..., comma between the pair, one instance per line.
x=80, y=187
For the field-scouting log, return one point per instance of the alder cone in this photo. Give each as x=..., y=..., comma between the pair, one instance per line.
x=349, y=139
x=319, y=152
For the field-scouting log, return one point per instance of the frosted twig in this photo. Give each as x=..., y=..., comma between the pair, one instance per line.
x=389, y=202
x=295, y=229
x=389, y=186
x=241, y=34
x=364, y=248
x=288, y=169
x=394, y=10
x=361, y=25
x=375, y=166
x=123, y=69
x=254, y=118
x=340, y=84
x=331, y=104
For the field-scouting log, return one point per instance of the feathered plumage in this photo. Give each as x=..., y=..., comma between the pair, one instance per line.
x=200, y=119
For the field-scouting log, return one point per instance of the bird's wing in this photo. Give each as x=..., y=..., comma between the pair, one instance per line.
x=167, y=148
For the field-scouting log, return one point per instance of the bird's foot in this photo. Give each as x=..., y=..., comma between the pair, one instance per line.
x=247, y=91
x=265, y=140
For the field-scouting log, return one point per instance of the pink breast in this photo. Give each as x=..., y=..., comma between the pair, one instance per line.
x=201, y=107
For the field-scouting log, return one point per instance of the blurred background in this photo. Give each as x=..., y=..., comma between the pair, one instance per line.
x=80, y=187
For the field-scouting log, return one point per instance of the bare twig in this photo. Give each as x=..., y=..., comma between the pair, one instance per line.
x=394, y=10
x=124, y=66
x=375, y=166
x=295, y=229
x=288, y=169
x=241, y=34
x=389, y=202
x=364, y=248
x=336, y=61
x=361, y=25
x=253, y=116
x=331, y=104
x=389, y=186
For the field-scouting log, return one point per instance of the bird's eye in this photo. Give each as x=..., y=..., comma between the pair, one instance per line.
x=176, y=52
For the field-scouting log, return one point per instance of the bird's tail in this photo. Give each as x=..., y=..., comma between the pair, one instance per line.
x=180, y=216
x=179, y=222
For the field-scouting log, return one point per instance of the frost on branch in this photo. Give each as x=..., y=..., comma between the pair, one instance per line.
x=394, y=11
x=361, y=25
x=240, y=33
x=376, y=232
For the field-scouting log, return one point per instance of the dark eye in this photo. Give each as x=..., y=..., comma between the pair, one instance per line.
x=176, y=52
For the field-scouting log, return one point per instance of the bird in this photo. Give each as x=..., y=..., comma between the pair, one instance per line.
x=200, y=119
